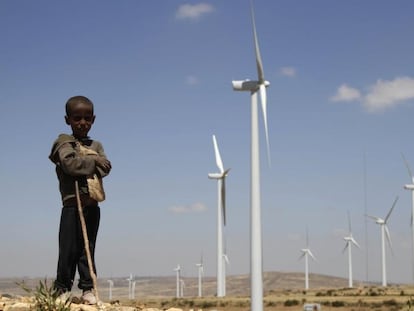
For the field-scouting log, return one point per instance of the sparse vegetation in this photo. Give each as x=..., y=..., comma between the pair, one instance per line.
x=46, y=298
x=337, y=303
x=291, y=302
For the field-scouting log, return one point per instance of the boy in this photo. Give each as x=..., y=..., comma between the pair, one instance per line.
x=74, y=164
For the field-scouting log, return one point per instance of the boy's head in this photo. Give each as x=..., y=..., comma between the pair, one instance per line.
x=79, y=115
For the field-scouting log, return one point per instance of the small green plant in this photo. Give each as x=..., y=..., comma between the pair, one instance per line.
x=208, y=304
x=391, y=302
x=46, y=298
x=291, y=302
x=410, y=303
x=337, y=303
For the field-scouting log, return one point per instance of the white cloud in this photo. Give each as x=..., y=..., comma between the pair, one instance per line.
x=191, y=80
x=288, y=71
x=193, y=208
x=346, y=94
x=382, y=95
x=387, y=94
x=193, y=11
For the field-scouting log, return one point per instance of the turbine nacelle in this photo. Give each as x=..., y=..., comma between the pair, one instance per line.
x=248, y=85
x=218, y=175
x=349, y=240
x=409, y=187
x=380, y=221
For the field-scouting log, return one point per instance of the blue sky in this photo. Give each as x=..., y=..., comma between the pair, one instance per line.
x=159, y=73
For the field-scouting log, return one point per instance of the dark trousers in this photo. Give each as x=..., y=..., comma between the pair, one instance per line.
x=72, y=253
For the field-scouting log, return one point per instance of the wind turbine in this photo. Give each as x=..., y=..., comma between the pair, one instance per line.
x=305, y=253
x=111, y=286
x=411, y=187
x=221, y=215
x=384, y=233
x=256, y=269
x=200, y=277
x=177, y=270
x=349, y=241
x=130, y=279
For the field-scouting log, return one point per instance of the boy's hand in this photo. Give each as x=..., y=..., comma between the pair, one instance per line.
x=103, y=163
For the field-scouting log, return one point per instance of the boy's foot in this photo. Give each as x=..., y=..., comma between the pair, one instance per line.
x=88, y=298
x=64, y=298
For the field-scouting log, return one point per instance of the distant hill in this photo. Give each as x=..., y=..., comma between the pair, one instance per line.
x=236, y=285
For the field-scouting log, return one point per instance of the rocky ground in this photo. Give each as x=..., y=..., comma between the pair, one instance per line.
x=283, y=292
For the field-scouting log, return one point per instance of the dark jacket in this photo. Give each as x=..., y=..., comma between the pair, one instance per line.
x=71, y=166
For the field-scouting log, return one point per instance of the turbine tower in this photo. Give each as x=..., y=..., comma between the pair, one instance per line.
x=200, y=277
x=305, y=253
x=182, y=285
x=177, y=270
x=133, y=288
x=256, y=269
x=221, y=215
x=411, y=188
x=349, y=241
x=111, y=286
x=130, y=279
x=384, y=233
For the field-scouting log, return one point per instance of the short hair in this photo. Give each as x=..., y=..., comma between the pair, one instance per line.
x=75, y=100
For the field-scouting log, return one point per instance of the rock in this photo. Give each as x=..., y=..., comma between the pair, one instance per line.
x=18, y=306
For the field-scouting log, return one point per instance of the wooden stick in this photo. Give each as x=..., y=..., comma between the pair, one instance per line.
x=86, y=242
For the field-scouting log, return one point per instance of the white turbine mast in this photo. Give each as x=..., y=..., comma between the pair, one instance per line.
x=411, y=188
x=182, y=286
x=134, y=281
x=221, y=215
x=349, y=241
x=130, y=279
x=385, y=234
x=256, y=269
x=111, y=286
x=306, y=252
x=200, y=277
x=177, y=271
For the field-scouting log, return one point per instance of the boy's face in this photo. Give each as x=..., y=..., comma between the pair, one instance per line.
x=80, y=119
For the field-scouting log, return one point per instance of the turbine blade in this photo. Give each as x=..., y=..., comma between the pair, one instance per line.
x=349, y=222
x=310, y=253
x=372, y=217
x=346, y=246
x=259, y=64
x=226, y=259
x=307, y=238
x=355, y=243
x=219, y=162
x=301, y=256
x=263, y=100
x=407, y=166
x=389, y=213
